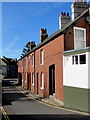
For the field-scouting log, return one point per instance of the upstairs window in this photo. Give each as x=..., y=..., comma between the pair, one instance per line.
x=33, y=60
x=28, y=61
x=42, y=57
x=79, y=37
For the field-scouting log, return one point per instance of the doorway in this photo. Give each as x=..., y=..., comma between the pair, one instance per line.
x=52, y=80
x=37, y=83
x=20, y=78
x=29, y=81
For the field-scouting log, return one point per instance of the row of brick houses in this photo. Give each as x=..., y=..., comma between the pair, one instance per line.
x=48, y=69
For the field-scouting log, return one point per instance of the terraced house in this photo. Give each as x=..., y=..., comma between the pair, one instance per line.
x=59, y=65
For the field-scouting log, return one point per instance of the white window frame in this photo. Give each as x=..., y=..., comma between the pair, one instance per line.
x=33, y=79
x=26, y=77
x=78, y=59
x=75, y=59
x=41, y=57
x=42, y=80
x=79, y=28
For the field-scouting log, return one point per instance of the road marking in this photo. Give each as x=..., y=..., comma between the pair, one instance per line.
x=4, y=113
x=52, y=105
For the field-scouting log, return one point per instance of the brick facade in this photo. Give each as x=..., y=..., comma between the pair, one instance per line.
x=53, y=55
x=69, y=36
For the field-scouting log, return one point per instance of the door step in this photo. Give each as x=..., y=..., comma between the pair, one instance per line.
x=52, y=97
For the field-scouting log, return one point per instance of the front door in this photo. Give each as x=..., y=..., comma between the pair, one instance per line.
x=37, y=84
x=28, y=84
x=52, y=80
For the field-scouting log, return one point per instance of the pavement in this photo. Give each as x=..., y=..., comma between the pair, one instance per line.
x=51, y=100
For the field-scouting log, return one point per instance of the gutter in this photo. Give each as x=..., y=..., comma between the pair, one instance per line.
x=77, y=51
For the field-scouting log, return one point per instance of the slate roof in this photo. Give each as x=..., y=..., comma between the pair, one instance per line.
x=60, y=31
x=9, y=61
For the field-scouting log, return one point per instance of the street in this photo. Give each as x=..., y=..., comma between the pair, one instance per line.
x=19, y=106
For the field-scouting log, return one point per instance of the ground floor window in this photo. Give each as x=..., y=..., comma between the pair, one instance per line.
x=83, y=59
x=32, y=78
x=42, y=81
x=79, y=59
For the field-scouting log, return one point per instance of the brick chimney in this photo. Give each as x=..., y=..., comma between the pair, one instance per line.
x=32, y=45
x=78, y=7
x=64, y=18
x=43, y=34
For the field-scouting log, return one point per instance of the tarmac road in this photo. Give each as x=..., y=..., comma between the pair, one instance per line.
x=18, y=106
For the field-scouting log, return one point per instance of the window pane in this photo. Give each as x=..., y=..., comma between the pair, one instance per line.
x=42, y=57
x=73, y=60
x=33, y=60
x=79, y=38
x=42, y=81
x=82, y=59
x=76, y=59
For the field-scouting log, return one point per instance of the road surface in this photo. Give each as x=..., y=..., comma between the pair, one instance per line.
x=18, y=106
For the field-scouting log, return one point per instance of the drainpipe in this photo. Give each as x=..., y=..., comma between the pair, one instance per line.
x=34, y=73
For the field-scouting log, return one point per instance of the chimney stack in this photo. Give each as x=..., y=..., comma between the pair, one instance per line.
x=43, y=34
x=32, y=45
x=64, y=18
x=78, y=7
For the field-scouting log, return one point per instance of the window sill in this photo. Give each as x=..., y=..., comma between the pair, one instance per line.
x=42, y=88
x=33, y=84
x=42, y=64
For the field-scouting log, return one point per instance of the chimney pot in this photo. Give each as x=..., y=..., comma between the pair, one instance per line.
x=78, y=7
x=63, y=19
x=64, y=14
x=84, y=1
x=43, y=31
x=67, y=14
x=61, y=14
x=74, y=1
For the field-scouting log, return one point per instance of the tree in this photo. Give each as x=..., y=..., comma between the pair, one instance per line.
x=28, y=47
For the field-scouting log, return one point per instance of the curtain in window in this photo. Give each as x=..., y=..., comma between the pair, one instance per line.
x=79, y=38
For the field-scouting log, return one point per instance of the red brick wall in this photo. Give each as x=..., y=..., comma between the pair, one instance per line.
x=53, y=54
x=19, y=66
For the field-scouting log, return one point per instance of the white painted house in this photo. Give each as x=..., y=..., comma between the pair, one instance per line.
x=76, y=78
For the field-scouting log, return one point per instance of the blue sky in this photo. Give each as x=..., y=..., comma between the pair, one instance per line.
x=22, y=21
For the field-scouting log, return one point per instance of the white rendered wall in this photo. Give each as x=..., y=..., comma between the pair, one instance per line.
x=75, y=75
